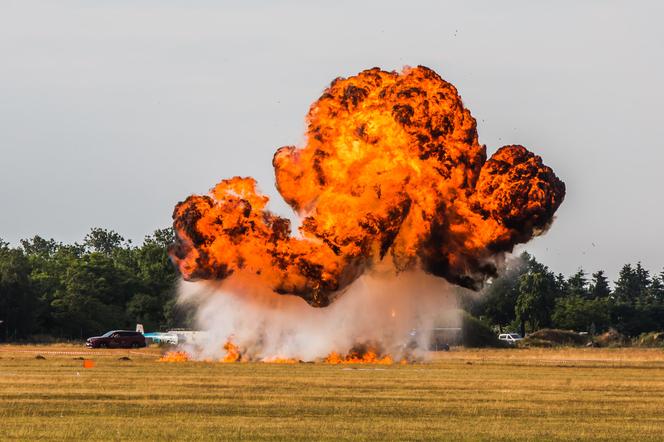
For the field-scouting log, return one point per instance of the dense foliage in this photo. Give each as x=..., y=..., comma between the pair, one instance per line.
x=50, y=289
x=529, y=297
x=74, y=291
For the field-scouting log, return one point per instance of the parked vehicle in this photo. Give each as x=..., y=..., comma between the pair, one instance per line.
x=117, y=339
x=437, y=338
x=162, y=338
x=510, y=338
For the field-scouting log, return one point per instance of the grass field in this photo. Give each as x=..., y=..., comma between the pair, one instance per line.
x=463, y=394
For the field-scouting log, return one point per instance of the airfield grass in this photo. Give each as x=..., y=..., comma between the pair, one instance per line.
x=567, y=394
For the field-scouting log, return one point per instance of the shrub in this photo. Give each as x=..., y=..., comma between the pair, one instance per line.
x=551, y=337
x=534, y=342
x=650, y=339
x=475, y=333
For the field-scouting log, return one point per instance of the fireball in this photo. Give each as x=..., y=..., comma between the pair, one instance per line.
x=392, y=171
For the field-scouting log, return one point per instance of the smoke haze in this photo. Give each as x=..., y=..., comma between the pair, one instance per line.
x=381, y=307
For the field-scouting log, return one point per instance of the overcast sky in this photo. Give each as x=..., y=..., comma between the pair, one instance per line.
x=112, y=111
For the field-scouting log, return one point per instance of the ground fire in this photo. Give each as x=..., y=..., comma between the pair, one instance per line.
x=392, y=170
x=359, y=354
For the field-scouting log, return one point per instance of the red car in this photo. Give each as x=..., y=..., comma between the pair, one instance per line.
x=117, y=339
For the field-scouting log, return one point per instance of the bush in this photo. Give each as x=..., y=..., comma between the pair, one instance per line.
x=534, y=342
x=551, y=337
x=650, y=339
x=576, y=313
x=475, y=333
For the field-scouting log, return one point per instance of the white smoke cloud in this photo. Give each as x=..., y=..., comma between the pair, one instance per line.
x=380, y=307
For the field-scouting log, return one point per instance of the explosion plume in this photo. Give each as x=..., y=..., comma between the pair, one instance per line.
x=391, y=171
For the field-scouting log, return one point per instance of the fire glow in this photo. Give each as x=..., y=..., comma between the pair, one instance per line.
x=392, y=176
x=358, y=355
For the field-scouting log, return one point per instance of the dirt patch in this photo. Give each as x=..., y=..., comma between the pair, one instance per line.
x=611, y=338
x=551, y=337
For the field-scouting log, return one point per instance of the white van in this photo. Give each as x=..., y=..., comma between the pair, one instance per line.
x=510, y=338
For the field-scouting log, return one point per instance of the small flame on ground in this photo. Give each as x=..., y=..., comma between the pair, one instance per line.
x=369, y=357
x=358, y=355
x=174, y=356
x=280, y=360
x=232, y=353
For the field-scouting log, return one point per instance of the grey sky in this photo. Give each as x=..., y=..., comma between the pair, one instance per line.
x=112, y=111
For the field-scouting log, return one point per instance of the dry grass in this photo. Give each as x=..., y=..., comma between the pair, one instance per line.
x=529, y=394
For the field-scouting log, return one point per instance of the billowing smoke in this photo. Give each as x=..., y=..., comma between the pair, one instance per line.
x=377, y=310
x=391, y=177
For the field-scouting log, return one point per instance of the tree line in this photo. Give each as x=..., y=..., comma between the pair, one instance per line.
x=50, y=289
x=76, y=290
x=529, y=296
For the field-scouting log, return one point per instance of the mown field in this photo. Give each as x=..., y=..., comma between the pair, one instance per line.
x=604, y=394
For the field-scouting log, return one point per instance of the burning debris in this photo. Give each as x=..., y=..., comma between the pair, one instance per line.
x=174, y=356
x=359, y=354
x=392, y=168
x=397, y=201
x=232, y=352
x=362, y=354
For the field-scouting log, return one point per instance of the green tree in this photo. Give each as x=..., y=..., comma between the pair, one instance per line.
x=577, y=285
x=500, y=295
x=157, y=277
x=561, y=284
x=18, y=304
x=536, y=299
x=642, y=281
x=39, y=247
x=103, y=241
x=74, y=290
x=599, y=287
x=92, y=298
x=580, y=314
x=627, y=285
x=656, y=289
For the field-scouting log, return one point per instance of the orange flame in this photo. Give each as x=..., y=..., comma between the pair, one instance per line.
x=174, y=356
x=280, y=360
x=360, y=354
x=392, y=166
x=369, y=357
x=232, y=352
